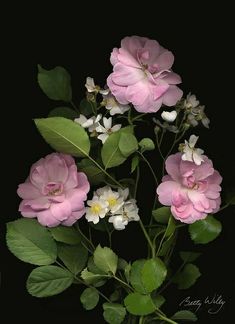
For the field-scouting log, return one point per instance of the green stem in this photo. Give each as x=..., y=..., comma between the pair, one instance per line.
x=129, y=117
x=168, y=320
x=105, y=172
x=149, y=165
x=84, y=236
x=147, y=238
x=123, y=282
x=223, y=207
x=160, y=245
x=138, y=117
x=86, y=247
x=74, y=106
x=99, y=292
x=137, y=180
x=141, y=320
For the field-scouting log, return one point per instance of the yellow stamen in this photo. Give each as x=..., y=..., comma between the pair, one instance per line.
x=96, y=208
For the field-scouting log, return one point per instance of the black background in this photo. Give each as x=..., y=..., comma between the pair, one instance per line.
x=81, y=40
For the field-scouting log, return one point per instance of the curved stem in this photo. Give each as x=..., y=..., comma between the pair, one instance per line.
x=105, y=172
x=123, y=283
x=74, y=106
x=223, y=207
x=149, y=165
x=84, y=236
x=137, y=180
x=147, y=238
x=168, y=320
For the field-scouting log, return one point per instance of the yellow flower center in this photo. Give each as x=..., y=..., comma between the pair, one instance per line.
x=96, y=208
x=112, y=201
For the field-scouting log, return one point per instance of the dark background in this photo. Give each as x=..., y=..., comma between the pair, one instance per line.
x=81, y=40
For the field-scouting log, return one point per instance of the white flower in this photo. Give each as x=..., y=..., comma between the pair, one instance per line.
x=90, y=123
x=114, y=106
x=114, y=199
x=191, y=153
x=169, y=116
x=127, y=213
x=97, y=209
x=107, y=129
x=191, y=101
x=119, y=222
x=91, y=87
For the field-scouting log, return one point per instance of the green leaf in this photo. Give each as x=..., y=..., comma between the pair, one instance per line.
x=49, y=280
x=110, y=153
x=115, y=295
x=185, y=315
x=93, y=173
x=64, y=135
x=170, y=227
x=187, y=277
x=189, y=256
x=85, y=107
x=74, y=257
x=65, y=112
x=89, y=298
x=66, y=235
x=30, y=242
x=127, y=144
x=205, y=231
x=146, y=144
x=162, y=215
x=158, y=300
x=136, y=277
x=166, y=245
x=134, y=163
x=153, y=274
x=93, y=268
x=55, y=83
x=90, y=277
x=114, y=313
x=105, y=259
x=138, y=304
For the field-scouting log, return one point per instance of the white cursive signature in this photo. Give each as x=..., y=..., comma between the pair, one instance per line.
x=214, y=303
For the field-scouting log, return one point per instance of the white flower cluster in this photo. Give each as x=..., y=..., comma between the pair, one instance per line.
x=98, y=125
x=113, y=204
x=196, y=112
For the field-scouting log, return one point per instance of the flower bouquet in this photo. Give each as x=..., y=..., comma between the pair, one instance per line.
x=82, y=189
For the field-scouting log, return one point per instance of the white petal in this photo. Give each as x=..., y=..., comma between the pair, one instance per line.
x=104, y=92
x=115, y=128
x=101, y=129
x=193, y=140
x=81, y=120
x=103, y=137
x=114, y=111
x=169, y=116
x=90, y=84
x=98, y=118
x=88, y=123
x=107, y=122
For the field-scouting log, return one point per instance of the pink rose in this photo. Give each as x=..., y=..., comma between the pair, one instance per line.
x=191, y=190
x=54, y=192
x=142, y=75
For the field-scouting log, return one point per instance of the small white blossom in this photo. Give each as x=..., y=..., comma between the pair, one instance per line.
x=114, y=199
x=127, y=213
x=107, y=129
x=191, y=101
x=169, y=116
x=90, y=123
x=91, y=87
x=98, y=208
x=113, y=105
x=191, y=153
